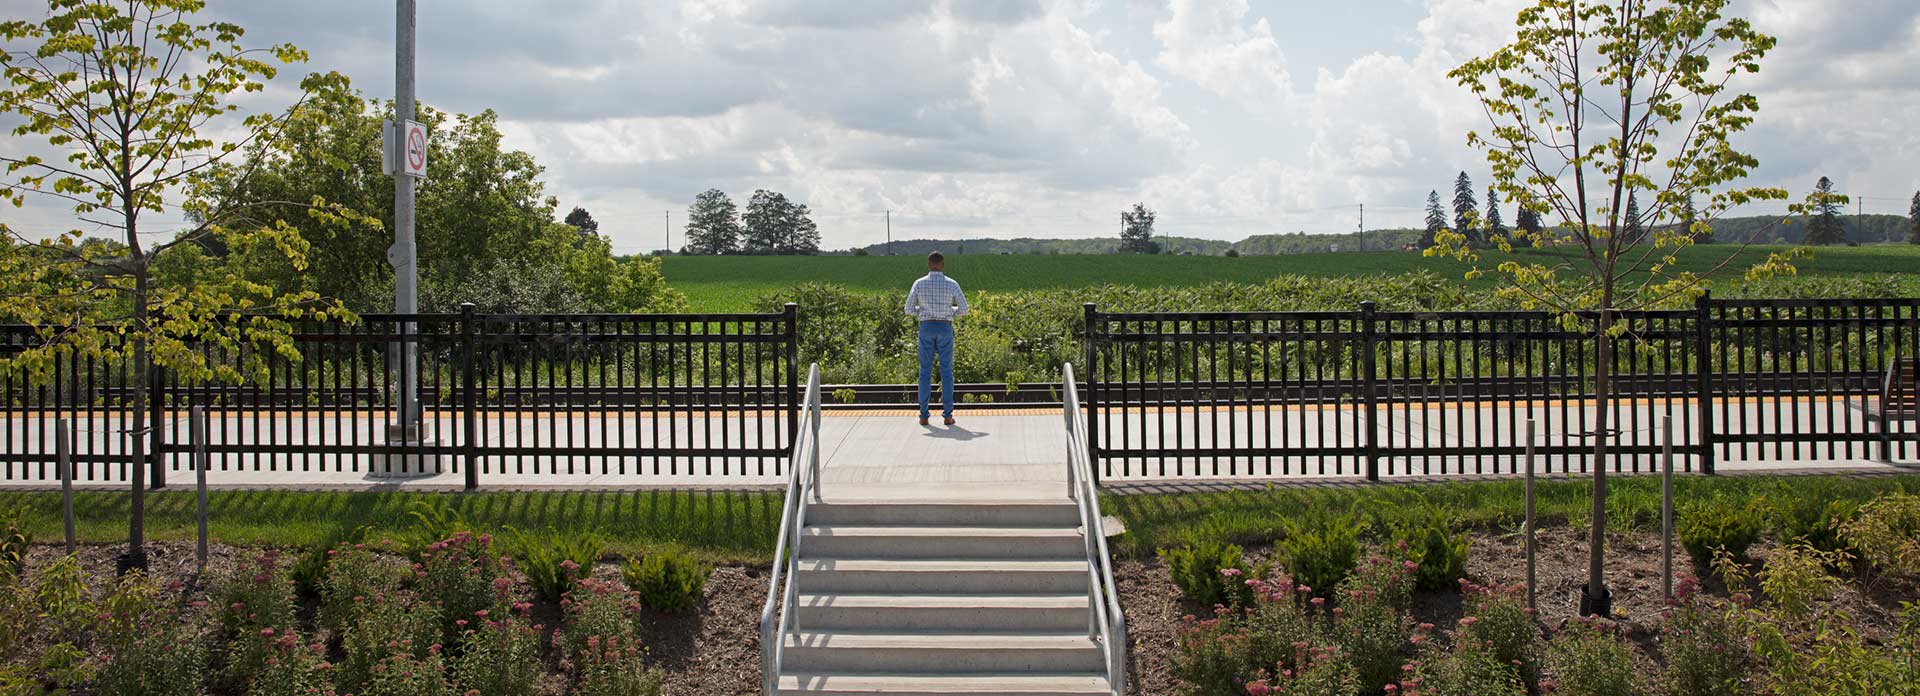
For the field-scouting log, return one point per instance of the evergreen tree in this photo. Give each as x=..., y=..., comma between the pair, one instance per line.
x=1690, y=216
x=1825, y=228
x=713, y=224
x=1495, y=226
x=1136, y=232
x=582, y=220
x=1466, y=212
x=1631, y=229
x=1527, y=221
x=1436, y=219
x=1913, y=220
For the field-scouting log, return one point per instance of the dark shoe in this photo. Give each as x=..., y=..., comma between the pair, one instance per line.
x=923, y=421
x=949, y=420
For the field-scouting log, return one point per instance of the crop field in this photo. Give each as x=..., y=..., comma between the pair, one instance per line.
x=732, y=283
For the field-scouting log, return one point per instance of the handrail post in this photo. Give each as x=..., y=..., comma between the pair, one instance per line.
x=1368, y=399
x=1092, y=405
x=1703, y=380
x=469, y=446
x=813, y=398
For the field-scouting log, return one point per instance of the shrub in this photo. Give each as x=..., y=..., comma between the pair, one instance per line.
x=1810, y=519
x=1499, y=618
x=1705, y=646
x=555, y=561
x=14, y=541
x=1392, y=581
x=1469, y=669
x=64, y=605
x=1438, y=550
x=1588, y=660
x=147, y=647
x=386, y=625
x=1796, y=578
x=1718, y=522
x=1275, y=624
x=354, y=572
x=1886, y=531
x=1320, y=556
x=1370, y=626
x=309, y=569
x=290, y=668
x=18, y=619
x=596, y=608
x=500, y=657
x=1197, y=570
x=616, y=666
x=462, y=575
x=667, y=581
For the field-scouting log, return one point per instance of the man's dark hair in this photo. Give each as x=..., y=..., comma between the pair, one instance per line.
x=936, y=257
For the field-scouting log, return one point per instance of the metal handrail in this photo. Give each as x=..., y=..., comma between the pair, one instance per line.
x=803, y=486
x=1106, y=622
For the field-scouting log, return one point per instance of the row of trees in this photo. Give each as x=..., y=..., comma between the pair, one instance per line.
x=772, y=225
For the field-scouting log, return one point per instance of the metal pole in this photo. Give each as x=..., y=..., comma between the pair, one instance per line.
x=1532, y=591
x=1371, y=442
x=889, y=233
x=63, y=454
x=1666, y=506
x=406, y=292
x=198, y=431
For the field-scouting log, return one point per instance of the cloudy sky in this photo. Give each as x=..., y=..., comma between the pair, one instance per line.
x=1047, y=117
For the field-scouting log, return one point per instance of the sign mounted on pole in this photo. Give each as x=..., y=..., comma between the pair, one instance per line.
x=413, y=154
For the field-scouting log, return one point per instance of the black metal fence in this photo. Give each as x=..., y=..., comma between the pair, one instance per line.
x=1377, y=393
x=709, y=395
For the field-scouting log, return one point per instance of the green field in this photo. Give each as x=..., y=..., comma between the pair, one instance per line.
x=731, y=283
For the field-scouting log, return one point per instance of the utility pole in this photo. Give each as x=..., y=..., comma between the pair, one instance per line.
x=669, y=231
x=406, y=291
x=889, y=233
x=1363, y=217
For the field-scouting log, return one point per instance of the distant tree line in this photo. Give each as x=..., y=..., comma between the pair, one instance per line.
x=771, y=225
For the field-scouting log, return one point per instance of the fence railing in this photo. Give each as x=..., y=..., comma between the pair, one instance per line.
x=709, y=395
x=1375, y=393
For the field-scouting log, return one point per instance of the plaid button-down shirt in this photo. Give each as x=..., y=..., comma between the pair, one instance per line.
x=936, y=298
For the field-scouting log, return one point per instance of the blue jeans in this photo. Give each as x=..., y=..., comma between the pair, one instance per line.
x=936, y=339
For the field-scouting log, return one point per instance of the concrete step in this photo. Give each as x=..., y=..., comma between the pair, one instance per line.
x=1054, y=613
x=849, y=541
x=847, y=652
x=945, y=684
x=942, y=576
x=949, y=513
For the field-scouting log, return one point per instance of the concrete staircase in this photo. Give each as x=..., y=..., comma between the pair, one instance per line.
x=943, y=596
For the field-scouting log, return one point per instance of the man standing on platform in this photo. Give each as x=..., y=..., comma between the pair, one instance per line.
x=936, y=301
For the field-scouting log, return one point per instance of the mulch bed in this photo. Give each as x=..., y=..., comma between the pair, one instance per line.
x=1154, y=606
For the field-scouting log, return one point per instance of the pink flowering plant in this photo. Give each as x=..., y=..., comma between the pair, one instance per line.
x=596, y=609
x=460, y=574
x=253, y=605
x=1705, y=644
x=1371, y=623
x=615, y=666
x=500, y=655
x=290, y=667
x=146, y=645
x=1590, y=659
x=405, y=674
x=1319, y=670
x=1468, y=667
x=1285, y=640
x=386, y=624
x=1497, y=615
x=353, y=573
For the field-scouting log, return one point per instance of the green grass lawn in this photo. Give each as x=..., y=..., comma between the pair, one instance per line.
x=731, y=283
x=719, y=526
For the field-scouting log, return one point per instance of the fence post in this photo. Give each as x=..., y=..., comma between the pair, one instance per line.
x=470, y=443
x=1703, y=377
x=156, y=393
x=1368, y=382
x=1092, y=445
x=791, y=316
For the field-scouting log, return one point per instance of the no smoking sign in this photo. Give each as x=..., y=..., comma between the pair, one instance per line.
x=413, y=161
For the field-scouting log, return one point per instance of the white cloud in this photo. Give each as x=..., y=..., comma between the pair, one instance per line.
x=1212, y=43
